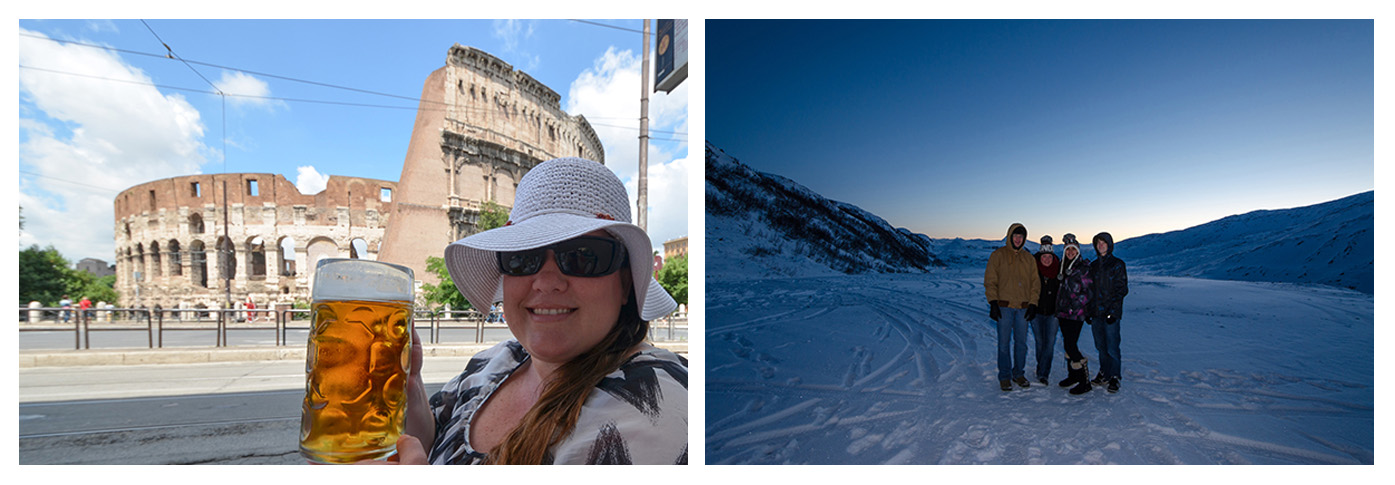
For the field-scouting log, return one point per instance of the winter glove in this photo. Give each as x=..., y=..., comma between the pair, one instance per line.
x=1111, y=319
x=993, y=311
x=1031, y=312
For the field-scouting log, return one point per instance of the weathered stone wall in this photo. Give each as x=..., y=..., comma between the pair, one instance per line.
x=480, y=126
x=168, y=232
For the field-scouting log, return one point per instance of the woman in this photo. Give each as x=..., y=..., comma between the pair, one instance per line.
x=577, y=384
x=1072, y=303
x=1044, y=325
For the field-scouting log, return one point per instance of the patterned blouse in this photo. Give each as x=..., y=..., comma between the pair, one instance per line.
x=639, y=415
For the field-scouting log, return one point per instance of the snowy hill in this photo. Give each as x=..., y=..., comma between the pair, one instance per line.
x=771, y=226
x=1332, y=243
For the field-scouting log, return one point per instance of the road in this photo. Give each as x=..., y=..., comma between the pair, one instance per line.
x=218, y=413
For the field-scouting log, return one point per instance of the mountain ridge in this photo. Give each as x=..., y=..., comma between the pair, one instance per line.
x=771, y=225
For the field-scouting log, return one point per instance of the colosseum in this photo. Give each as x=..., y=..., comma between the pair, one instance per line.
x=480, y=126
x=173, y=250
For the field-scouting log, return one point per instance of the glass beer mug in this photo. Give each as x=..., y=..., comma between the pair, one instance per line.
x=356, y=361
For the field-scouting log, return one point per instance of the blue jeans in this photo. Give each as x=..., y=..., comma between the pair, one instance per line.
x=1107, y=343
x=1044, y=335
x=1012, y=332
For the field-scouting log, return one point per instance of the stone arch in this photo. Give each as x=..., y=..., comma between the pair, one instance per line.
x=255, y=247
x=198, y=264
x=155, y=268
x=176, y=265
x=227, y=259
x=358, y=248
x=195, y=223
x=139, y=259
x=318, y=248
x=286, y=264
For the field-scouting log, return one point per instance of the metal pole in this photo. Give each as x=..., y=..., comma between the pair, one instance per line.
x=228, y=268
x=642, y=201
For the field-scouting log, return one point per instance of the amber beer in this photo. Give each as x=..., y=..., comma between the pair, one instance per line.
x=357, y=360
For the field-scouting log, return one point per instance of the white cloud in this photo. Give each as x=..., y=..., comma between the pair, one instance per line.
x=514, y=32
x=310, y=181
x=98, y=26
x=608, y=95
x=246, y=90
x=668, y=200
x=85, y=137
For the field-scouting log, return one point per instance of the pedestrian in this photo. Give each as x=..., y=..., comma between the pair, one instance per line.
x=1072, y=304
x=251, y=309
x=1109, y=285
x=577, y=383
x=67, y=305
x=1012, y=286
x=1044, y=325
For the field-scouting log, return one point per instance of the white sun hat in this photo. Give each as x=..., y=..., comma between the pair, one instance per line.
x=558, y=200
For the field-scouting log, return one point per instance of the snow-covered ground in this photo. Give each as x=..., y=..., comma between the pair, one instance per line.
x=901, y=369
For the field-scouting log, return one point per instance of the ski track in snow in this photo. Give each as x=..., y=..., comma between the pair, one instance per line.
x=901, y=369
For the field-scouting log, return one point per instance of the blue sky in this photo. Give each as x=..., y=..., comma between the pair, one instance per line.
x=958, y=128
x=94, y=121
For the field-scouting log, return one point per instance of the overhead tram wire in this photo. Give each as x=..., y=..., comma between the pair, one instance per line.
x=319, y=101
x=104, y=189
x=225, y=259
x=188, y=62
x=284, y=78
x=608, y=26
x=233, y=95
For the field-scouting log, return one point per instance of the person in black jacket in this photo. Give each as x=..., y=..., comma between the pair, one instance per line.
x=1072, y=307
x=1109, y=285
x=1044, y=325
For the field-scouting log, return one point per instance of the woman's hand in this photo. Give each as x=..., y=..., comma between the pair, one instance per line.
x=409, y=452
x=419, y=422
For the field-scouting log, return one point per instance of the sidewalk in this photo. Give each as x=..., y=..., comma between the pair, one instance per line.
x=187, y=355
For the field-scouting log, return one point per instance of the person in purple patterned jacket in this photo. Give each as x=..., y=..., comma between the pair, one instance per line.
x=1072, y=303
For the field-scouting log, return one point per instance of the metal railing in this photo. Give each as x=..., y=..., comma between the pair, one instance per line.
x=156, y=322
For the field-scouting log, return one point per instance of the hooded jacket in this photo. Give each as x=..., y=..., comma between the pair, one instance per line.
x=1109, y=282
x=1011, y=277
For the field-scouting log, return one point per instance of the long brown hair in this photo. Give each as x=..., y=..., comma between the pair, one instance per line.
x=555, y=414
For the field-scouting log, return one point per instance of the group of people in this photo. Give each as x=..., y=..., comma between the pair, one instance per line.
x=67, y=305
x=1042, y=292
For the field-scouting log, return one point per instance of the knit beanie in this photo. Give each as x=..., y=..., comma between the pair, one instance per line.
x=1046, y=246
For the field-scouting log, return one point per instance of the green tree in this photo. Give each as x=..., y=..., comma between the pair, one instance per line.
x=444, y=293
x=492, y=215
x=673, y=276
x=43, y=276
x=94, y=288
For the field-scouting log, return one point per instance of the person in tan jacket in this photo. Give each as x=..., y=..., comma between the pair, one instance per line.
x=1012, y=286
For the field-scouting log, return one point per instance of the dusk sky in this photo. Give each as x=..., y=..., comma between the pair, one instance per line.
x=959, y=128
x=102, y=109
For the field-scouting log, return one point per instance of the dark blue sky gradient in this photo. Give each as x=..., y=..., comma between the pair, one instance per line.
x=959, y=128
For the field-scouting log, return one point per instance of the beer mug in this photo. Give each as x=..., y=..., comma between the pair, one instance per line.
x=356, y=361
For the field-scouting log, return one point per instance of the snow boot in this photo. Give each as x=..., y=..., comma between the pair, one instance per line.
x=1113, y=385
x=1005, y=384
x=1022, y=381
x=1099, y=379
x=1083, y=385
x=1075, y=374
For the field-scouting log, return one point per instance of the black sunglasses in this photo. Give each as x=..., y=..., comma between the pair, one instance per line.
x=584, y=256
